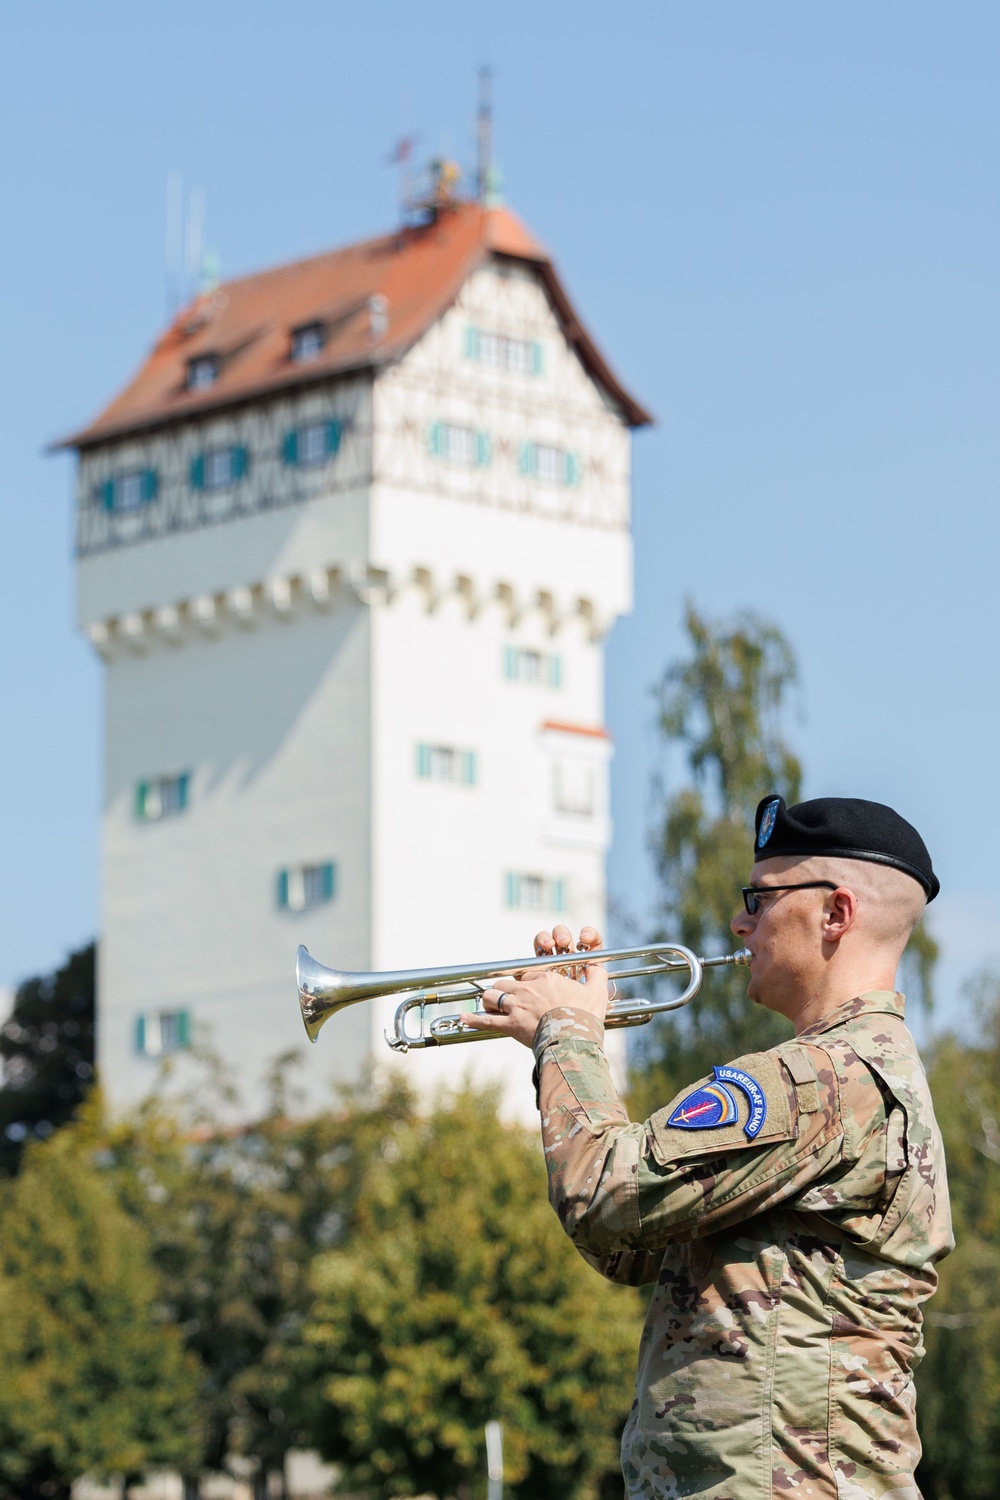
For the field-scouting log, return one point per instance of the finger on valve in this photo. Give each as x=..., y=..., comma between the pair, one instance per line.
x=590, y=938
x=563, y=938
x=544, y=944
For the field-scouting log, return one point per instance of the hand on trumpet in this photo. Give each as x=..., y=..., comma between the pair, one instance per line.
x=514, y=1006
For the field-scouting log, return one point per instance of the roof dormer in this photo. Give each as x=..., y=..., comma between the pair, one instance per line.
x=202, y=372
x=308, y=341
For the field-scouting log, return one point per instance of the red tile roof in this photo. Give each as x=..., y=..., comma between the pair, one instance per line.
x=247, y=324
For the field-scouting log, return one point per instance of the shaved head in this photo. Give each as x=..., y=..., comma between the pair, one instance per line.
x=834, y=928
x=890, y=903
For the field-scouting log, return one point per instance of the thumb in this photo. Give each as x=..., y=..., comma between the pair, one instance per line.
x=596, y=977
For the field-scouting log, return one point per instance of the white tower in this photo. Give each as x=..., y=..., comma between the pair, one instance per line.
x=349, y=544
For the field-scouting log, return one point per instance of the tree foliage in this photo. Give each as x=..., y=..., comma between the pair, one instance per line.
x=233, y=1218
x=457, y=1299
x=722, y=708
x=369, y=1284
x=95, y=1380
x=47, y=1047
x=959, y=1382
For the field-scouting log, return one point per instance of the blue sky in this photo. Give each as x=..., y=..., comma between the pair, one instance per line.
x=780, y=220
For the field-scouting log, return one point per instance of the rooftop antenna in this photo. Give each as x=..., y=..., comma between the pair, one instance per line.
x=175, y=242
x=401, y=156
x=484, y=135
x=194, y=247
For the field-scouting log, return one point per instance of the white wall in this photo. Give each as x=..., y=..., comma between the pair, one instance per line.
x=273, y=725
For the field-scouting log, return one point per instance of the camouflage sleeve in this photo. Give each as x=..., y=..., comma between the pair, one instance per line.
x=621, y=1186
x=626, y=1267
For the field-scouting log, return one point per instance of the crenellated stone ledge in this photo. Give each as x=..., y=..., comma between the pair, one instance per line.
x=250, y=606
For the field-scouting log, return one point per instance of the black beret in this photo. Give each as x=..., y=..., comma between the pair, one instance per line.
x=844, y=828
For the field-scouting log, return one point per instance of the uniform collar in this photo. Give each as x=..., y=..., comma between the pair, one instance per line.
x=872, y=1002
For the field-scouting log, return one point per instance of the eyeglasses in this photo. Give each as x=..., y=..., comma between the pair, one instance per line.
x=753, y=893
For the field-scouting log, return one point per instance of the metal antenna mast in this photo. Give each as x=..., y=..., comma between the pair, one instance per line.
x=484, y=134
x=175, y=243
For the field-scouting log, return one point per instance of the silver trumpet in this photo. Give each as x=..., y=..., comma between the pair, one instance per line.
x=324, y=992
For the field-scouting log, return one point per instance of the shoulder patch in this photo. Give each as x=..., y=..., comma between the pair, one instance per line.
x=756, y=1098
x=685, y=1129
x=709, y=1105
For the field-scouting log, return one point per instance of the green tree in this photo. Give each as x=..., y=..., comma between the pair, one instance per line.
x=47, y=1047
x=722, y=708
x=234, y=1218
x=958, y=1384
x=722, y=711
x=94, y=1378
x=456, y=1299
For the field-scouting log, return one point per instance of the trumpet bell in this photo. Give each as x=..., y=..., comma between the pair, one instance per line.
x=322, y=992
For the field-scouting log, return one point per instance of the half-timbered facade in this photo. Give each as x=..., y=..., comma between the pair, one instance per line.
x=349, y=544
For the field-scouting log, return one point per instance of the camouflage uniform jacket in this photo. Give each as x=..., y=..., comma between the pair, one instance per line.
x=791, y=1245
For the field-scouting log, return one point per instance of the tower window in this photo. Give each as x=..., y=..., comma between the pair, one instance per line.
x=218, y=468
x=307, y=342
x=161, y=1032
x=518, y=356
x=128, y=493
x=574, y=787
x=459, y=445
x=521, y=665
x=164, y=797
x=202, y=371
x=534, y=892
x=301, y=887
x=445, y=763
x=551, y=465
x=312, y=444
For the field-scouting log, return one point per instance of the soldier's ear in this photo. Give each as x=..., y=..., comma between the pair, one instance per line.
x=840, y=913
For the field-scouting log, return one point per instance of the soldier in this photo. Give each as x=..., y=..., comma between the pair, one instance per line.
x=791, y=1207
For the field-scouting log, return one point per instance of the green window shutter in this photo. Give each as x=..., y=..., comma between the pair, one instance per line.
x=108, y=494
x=290, y=448
x=572, y=471
x=434, y=438
x=510, y=662
x=283, y=889
x=555, y=671
x=141, y=791
x=537, y=357
x=511, y=891
x=469, y=767
x=557, y=895
x=183, y=1028
x=529, y=458
x=423, y=760
x=329, y=881
x=241, y=462
x=198, y=472
x=482, y=449
x=183, y=783
x=334, y=430
x=150, y=484
x=472, y=343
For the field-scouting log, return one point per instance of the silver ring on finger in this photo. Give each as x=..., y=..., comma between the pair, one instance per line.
x=501, y=1008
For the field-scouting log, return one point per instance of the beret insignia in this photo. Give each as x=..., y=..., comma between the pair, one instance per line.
x=768, y=818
